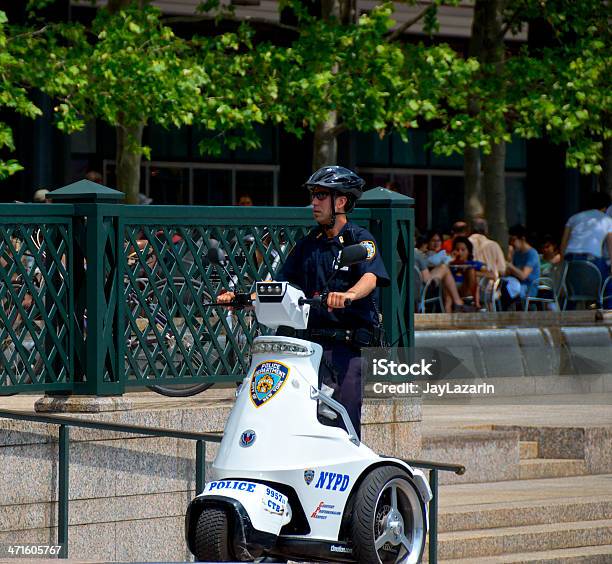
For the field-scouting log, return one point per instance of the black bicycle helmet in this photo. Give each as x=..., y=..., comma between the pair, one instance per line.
x=339, y=179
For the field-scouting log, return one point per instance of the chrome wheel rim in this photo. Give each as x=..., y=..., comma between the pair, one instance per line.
x=399, y=528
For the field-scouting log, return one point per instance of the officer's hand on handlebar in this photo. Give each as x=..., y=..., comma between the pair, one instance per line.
x=225, y=297
x=339, y=299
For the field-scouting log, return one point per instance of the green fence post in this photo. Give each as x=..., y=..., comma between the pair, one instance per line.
x=97, y=287
x=433, y=517
x=200, y=466
x=63, y=489
x=392, y=224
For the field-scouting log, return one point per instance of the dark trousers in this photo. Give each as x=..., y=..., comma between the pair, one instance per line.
x=346, y=361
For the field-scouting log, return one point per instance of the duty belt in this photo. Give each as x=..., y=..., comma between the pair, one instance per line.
x=360, y=337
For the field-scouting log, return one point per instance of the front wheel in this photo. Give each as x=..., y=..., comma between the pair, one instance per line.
x=388, y=524
x=212, y=536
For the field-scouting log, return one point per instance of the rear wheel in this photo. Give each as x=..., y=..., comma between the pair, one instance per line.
x=212, y=536
x=388, y=524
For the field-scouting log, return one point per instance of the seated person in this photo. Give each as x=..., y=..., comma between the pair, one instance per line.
x=421, y=244
x=465, y=269
x=486, y=250
x=436, y=255
x=549, y=255
x=442, y=275
x=524, y=268
x=459, y=229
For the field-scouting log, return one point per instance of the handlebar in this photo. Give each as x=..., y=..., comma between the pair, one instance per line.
x=239, y=301
x=320, y=301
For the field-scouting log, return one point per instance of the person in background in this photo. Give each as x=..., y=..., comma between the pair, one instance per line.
x=465, y=269
x=524, y=267
x=439, y=272
x=245, y=200
x=420, y=243
x=587, y=234
x=459, y=229
x=40, y=196
x=435, y=253
x=549, y=255
x=94, y=176
x=486, y=250
x=392, y=185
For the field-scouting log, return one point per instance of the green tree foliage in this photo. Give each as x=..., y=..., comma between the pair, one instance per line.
x=13, y=95
x=562, y=92
x=356, y=75
x=565, y=91
x=129, y=70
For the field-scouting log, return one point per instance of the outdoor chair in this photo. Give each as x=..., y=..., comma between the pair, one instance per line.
x=604, y=294
x=542, y=291
x=582, y=283
x=426, y=293
x=549, y=288
x=488, y=288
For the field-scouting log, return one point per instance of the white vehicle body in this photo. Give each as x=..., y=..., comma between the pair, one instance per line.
x=274, y=442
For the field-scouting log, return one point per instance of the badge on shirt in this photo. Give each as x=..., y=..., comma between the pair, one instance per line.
x=370, y=247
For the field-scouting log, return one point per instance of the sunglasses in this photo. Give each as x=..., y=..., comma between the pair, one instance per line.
x=319, y=195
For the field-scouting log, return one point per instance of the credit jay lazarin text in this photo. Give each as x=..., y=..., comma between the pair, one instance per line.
x=428, y=388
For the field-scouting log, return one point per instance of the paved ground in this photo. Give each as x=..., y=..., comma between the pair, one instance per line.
x=570, y=414
x=585, y=488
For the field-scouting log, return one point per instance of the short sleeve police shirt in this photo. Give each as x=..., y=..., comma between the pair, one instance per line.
x=310, y=265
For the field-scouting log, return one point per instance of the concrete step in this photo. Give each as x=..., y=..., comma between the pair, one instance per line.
x=535, y=468
x=530, y=538
x=489, y=456
x=523, y=513
x=581, y=555
x=528, y=450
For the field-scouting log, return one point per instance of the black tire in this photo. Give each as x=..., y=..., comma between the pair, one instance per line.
x=160, y=359
x=180, y=392
x=373, y=515
x=211, y=541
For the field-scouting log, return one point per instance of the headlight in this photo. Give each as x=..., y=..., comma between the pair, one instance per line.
x=261, y=347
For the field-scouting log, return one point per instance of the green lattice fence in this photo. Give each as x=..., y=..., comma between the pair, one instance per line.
x=108, y=296
x=36, y=298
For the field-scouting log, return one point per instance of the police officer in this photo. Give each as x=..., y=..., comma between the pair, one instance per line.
x=341, y=331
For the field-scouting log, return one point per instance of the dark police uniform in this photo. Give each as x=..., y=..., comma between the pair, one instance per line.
x=342, y=332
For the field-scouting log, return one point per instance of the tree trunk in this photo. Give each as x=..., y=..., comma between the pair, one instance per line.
x=487, y=26
x=605, y=178
x=325, y=142
x=493, y=168
x=472, y=196
x=129, y=137
x=129, y=141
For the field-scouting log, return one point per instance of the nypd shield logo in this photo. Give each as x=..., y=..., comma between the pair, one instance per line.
x=309, y=476
x=370, y=247
x=267, y=380
x=247, y=438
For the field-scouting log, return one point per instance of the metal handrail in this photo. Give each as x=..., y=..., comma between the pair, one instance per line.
x=434, y=468
x=64, y=454
x=201, y=438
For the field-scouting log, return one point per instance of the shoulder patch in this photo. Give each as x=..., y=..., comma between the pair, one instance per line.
x=369, y=246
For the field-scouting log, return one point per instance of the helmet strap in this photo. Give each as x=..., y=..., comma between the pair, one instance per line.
x=332, y=221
